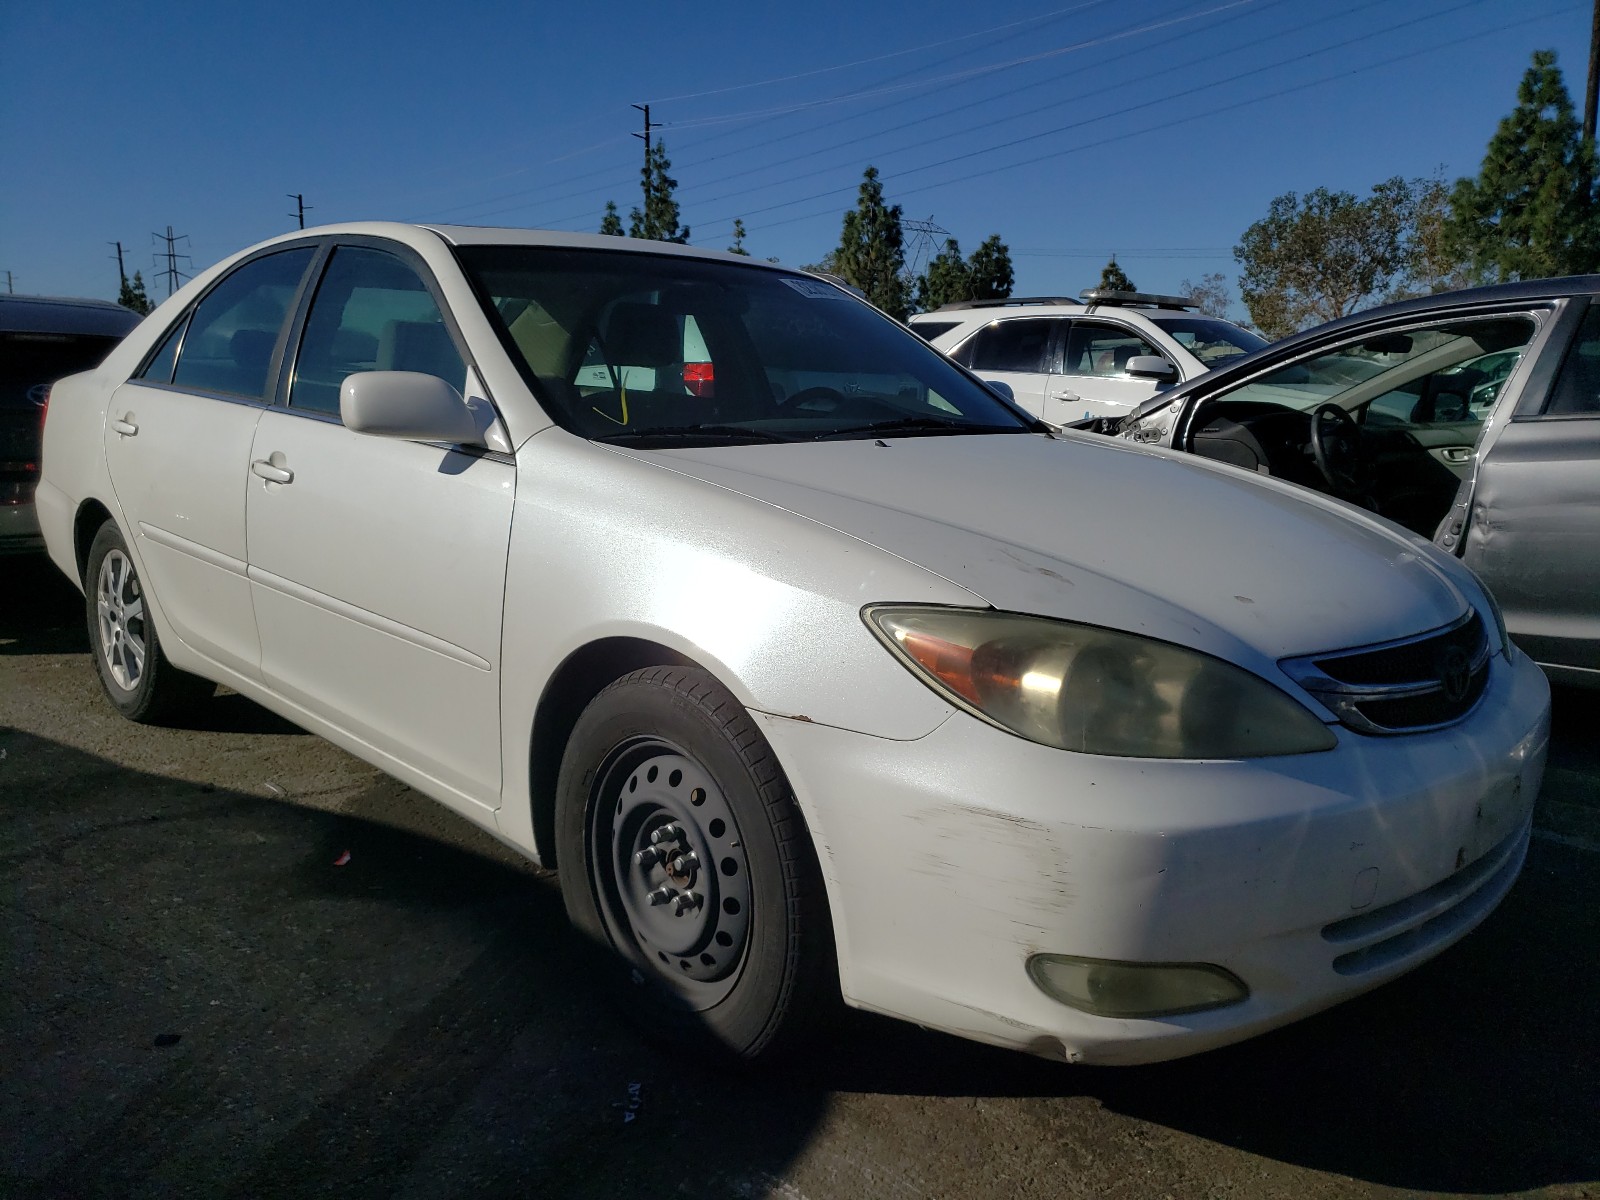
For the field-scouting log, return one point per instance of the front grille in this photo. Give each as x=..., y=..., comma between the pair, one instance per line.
x=1419, y=683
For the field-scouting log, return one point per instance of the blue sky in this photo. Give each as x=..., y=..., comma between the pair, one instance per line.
x=1157, y=129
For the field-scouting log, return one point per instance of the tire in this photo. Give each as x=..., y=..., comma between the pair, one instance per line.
x=723, y=929
x=128, y=658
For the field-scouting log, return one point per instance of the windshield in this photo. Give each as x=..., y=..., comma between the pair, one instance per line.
x=1211, y=341
x=652, y=349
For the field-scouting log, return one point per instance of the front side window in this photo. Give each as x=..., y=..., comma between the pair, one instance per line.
x=1577, y=389
x=371, y=312
x=1020, y=345
x=235, y=329
x=641, y=347
x=1445, y=374
x=1102, y=349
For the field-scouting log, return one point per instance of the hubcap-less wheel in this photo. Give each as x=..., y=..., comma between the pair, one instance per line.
x=671, y=868
x=119, y=606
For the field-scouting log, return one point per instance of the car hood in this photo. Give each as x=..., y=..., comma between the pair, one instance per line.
x=1088, y=529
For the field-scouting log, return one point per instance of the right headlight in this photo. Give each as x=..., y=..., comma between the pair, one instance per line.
x=1096, y=691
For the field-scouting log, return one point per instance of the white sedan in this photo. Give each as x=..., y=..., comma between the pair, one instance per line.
x=811, y=665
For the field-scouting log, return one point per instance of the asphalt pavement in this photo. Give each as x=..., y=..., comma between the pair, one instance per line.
x=238, y=962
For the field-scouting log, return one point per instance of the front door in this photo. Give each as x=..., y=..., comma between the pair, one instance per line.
x=377, y=565
x=1092, y=381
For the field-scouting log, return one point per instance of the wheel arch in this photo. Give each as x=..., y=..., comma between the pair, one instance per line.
x=90, y=517
x=582, y=675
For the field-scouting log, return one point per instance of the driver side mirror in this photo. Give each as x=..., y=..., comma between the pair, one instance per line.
x=1150, y=366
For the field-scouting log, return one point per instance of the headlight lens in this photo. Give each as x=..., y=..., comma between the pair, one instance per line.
x=1500, y=631
x=1096, y=691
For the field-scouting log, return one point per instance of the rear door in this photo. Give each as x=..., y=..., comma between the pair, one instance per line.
x=1534, y=531
x=177, y=444
x=1020, y=353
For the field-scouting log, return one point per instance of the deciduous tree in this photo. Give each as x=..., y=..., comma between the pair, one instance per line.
x=1211, y=295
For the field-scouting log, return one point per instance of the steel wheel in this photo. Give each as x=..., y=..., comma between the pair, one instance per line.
x=119, y=606
x=671, y=869
x=683, y=856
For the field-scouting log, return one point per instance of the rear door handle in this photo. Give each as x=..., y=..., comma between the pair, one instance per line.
x=125, y=427
x=271, y=473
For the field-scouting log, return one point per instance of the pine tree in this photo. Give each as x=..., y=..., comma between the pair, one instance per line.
x=611, y=224
x=1531, y=212
x=989, y=270
x=947, y=279
x=738, y=239
x=133, y=294
x=1114, y=278
x=871, y=251
x=659, y=218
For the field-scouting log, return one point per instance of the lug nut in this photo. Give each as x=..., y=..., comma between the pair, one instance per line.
x=686, y=901
x=648, y=857
x=669, y=832
x=662, y=894
x=684, y=863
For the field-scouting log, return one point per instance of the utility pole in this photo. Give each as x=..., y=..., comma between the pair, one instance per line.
x=10, y=291
x=301, y=205
x=174, y=276
x=1593, y=91
x=645, y=109
x=122, y=274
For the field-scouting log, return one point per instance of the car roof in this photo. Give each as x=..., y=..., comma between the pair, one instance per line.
x=65, y=314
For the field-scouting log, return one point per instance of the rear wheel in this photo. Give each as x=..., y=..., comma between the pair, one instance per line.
x=135, y=673
x=682, y=850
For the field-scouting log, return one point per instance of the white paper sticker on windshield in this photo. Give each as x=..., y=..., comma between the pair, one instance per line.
x=816, y=289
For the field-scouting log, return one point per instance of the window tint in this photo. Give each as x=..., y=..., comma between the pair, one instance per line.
x=928, y=330
x=1448, y=374
x=1577, y=390
x=1009, y=346
x=159, y=368
x=1096, y=348
x=235, y=328
x=677, y=351
x=371, y=312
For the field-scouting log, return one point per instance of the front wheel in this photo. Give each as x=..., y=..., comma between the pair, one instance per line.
x=134, y=671
x=683, y=851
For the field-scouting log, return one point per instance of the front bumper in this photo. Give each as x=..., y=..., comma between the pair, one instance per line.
x=952, y=859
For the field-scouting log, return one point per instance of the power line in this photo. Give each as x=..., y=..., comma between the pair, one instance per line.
x=692, y=163
x=1189, y=118
x=861, y=62
x=1159, y=100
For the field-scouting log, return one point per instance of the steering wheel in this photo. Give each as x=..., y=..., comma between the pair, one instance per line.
x=1336, y=445
x=807, y=395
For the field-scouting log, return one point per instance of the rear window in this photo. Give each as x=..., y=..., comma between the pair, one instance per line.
x=30, y=362
x=929, y=330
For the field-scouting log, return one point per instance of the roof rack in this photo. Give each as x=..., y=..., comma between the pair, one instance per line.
x=1116, y=299
x=1009, y=302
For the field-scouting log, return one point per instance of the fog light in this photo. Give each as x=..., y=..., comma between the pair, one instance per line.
x=1124, y=989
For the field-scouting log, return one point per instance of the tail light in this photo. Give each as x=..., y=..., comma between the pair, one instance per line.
x=699, y=379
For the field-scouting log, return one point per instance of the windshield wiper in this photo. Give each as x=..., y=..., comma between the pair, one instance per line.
x=714, y=432
x=916, y=425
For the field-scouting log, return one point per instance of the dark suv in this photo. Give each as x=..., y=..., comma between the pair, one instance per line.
x=42, y=339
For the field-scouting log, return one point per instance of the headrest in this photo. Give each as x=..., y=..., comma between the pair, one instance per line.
x=643, y=335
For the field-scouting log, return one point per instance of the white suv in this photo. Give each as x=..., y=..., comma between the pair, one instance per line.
x=1064, y=360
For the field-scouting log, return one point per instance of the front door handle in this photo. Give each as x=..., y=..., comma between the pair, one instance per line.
x=271, y=472
x=1457, y=454
x=124, y=426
